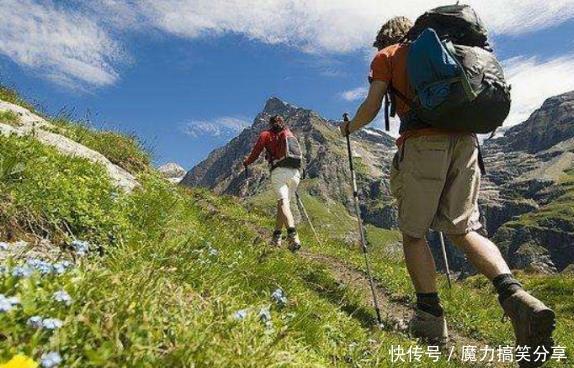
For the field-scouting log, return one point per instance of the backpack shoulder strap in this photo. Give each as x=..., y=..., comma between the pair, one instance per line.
x=391, y=104
x=387, y=104
x=410, y=103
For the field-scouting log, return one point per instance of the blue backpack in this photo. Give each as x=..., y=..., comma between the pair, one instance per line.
x=457, y=86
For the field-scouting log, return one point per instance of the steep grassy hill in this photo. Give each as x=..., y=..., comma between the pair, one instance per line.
x=164, y=276
x=170, y=277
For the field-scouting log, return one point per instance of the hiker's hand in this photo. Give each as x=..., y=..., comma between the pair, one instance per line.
x=344, y=128
x=245, y=166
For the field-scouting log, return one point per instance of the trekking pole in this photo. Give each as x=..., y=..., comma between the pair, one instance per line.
x=443, y=247
x=300, y=203
x=360, y=223
x=243, y=192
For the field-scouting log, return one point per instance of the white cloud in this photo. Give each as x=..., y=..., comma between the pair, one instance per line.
x=224, y=127
x=81, y=42
x=61, y=45
x=333, y=26
x=354, y=94
x=534, y=80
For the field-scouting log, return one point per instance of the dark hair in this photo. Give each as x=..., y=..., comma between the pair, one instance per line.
x=277, y=123
x=392, y=32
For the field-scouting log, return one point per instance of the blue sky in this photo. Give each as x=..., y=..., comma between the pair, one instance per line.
x=186, y=76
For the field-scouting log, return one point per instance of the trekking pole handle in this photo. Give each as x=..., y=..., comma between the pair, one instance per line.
x=350, y=153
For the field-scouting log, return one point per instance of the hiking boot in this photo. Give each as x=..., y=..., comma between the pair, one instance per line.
x=276, y=239
x=293, y=240
x=533, y=324
x=429, y=328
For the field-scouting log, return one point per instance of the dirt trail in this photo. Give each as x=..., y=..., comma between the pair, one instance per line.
x=394, y=314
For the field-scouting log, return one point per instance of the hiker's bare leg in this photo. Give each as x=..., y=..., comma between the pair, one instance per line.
x=280, y=220
x=285, y=209
x=420, y=264
x=482, y=253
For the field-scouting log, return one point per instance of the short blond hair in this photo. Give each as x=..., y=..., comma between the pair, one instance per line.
x=392, y=32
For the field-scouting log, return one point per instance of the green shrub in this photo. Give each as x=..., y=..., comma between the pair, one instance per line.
x=52, y=195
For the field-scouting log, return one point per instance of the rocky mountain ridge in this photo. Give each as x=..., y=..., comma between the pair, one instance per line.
x=530, y=183
x=324, y=150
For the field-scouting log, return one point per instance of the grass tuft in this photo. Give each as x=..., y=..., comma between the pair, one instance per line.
x=9, y=117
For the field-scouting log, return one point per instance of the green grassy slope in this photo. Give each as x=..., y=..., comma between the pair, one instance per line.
x=168, y=271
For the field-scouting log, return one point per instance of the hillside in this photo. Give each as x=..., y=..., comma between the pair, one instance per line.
x=162, y=275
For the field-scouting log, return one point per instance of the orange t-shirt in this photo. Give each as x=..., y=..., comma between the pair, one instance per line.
x=390, y=66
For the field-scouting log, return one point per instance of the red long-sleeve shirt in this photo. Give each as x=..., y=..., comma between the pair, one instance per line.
x=273, y=144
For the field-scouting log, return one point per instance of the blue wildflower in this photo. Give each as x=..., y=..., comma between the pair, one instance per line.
x=212, y=251
x=45, y=268
x=62, y=297
x=51, y=359
x=52, y=323
x=61, y=267
x=81, y=247
x=279, y=297
x=7, y=304
x=265, y=315
x=3, y=246
x=34, y=322
x=115, y=196
x=22, y=271
x=241, y=314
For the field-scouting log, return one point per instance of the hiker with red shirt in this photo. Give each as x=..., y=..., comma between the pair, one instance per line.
x=285, y=176
x=435, y=180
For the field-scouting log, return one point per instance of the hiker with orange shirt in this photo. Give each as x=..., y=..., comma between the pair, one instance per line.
x=435, y=179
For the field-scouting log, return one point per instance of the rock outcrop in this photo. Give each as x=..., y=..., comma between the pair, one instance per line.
x=36, y=126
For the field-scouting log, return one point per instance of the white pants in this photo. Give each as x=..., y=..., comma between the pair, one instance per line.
x=285, y=181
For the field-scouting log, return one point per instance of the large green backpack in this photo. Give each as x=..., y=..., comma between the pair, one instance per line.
x=458, y=82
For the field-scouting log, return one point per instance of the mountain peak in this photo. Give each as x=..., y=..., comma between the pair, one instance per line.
x=276, y=106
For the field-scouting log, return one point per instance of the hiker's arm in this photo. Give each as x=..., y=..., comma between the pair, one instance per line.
x=255, y=152
x=369, y=109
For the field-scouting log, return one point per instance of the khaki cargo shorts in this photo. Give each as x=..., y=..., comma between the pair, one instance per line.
x=435, y=180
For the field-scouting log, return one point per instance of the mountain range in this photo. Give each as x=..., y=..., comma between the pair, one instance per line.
x=526, y=200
